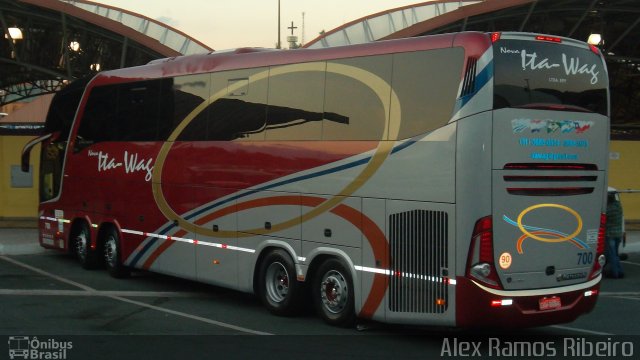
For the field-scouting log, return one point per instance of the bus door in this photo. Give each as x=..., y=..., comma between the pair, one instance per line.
x=550, y=147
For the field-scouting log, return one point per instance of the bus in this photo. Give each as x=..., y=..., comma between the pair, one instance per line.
x=455, y=180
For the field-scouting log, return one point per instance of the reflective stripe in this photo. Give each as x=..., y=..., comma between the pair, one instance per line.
x=404, y=274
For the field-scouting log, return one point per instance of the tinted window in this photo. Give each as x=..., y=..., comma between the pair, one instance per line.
x=535, y=74
x=426, y=82
x=189, y=93
x=99, y=116
x=239, y=105
x=296, y=99
x=138, y=111
x=63, y=108
x=353, y=110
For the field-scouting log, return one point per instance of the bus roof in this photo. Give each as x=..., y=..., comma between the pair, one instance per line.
x=474, y=42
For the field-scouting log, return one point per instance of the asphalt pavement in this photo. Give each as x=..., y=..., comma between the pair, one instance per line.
x=48, y=294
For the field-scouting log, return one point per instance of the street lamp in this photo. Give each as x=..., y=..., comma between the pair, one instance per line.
x=278, y=46
x=595, y=39
x=15, y=33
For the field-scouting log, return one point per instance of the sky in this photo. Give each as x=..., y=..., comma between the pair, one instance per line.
x=227, y=24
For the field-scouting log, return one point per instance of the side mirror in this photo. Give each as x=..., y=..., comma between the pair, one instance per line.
x=26, y=150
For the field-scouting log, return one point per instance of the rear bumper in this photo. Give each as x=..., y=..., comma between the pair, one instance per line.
x=474, y=305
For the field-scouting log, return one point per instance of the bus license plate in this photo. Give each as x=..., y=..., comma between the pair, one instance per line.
x=550, y=303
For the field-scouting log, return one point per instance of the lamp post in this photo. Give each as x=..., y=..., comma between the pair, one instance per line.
x=278, y=46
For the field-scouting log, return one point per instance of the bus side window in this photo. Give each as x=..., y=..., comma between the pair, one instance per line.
x=190, y=98
x=99, y=117
x=427, y=84
x=138, y=112
x=238, y=105
x=296, y=100
x=355, y=101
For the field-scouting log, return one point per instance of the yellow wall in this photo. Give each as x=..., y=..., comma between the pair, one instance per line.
x=624, y=173
x=17, y=202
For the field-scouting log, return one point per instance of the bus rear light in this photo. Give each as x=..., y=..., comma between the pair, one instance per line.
x=503, y=302
x=495, y=37
x=480, y=263
x=594, y=49
x=549, y=38
x=599, y=263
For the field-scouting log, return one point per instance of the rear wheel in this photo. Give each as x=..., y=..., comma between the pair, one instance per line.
x=88, y=258
x=332, y=293
x=278, y=288
x=112, y=255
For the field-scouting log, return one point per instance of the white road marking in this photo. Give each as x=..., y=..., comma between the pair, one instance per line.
x=42, y=272
x=630, y=263
x=620, y=293
x=92, y=291
x=626, y=298
x=48, y=292
x=190, y=316
x=580, y=330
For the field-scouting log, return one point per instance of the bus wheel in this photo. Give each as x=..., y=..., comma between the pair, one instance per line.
x=112, y=255
x=333, y=293
x=278, y=288
x=88, y=258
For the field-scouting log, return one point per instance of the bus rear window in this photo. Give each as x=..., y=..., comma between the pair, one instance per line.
x=535, y=74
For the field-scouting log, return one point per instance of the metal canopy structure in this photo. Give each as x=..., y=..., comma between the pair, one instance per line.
x=617, y=21
x=380, y=25
x=47, y=43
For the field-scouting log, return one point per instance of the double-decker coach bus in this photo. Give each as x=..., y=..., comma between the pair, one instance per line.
x=454, y=180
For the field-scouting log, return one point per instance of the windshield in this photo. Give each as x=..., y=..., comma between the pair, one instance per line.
x=537, y=74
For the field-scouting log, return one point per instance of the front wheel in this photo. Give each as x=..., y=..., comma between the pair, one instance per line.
x=112, y=255
x=278, y=288
x=88, y=258
x=333, y=293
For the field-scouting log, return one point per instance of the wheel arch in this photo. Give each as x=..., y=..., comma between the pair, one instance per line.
x=264, y=249
x=321, y=254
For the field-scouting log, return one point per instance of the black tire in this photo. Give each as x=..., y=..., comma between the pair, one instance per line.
x=278, y=287
x=332, y=292
x=81, y=240
x=112, y=253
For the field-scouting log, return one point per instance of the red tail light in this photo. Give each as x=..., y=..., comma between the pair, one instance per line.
x=480, y=263
x=549, y=38
x=594, y=49
x=495, y=37
x=600, y=259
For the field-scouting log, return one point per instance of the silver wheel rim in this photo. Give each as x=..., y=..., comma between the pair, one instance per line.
x=277, y=280
x=334, y=292
x=81, y=245
x=110, y=252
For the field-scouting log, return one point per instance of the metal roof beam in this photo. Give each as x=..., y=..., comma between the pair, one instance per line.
x=36, y=68
x=65, y=44
x=123, y=55
x=625, y=33
x=526, y=18
x=584, y=15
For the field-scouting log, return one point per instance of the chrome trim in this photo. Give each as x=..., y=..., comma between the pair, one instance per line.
x=540, y=292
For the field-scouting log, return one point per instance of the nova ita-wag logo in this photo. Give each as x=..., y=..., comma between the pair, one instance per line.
x=32, y=348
